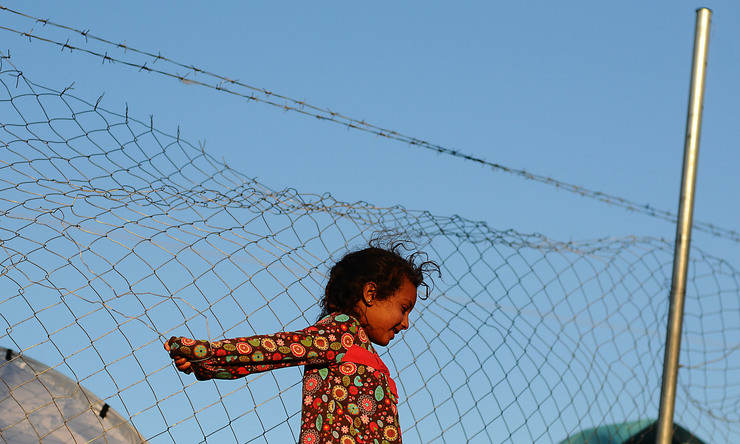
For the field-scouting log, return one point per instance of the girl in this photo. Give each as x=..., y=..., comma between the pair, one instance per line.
x=348, y=394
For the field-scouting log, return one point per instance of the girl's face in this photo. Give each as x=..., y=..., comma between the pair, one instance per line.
x=384, y=319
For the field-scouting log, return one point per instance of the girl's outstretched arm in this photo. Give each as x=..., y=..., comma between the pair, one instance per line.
x=323, y=343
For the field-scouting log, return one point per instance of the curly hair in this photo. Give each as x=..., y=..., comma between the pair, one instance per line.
x=387, y=267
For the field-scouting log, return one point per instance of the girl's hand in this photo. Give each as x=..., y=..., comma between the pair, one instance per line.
x=181, y=363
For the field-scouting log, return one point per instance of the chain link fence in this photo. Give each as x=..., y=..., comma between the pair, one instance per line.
x=115, y=236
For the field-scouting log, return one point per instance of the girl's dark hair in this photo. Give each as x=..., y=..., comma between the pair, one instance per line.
x=386, y=266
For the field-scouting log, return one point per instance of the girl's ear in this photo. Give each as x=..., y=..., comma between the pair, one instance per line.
x=369, y=292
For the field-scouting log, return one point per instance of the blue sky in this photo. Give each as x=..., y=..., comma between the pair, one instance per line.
x=590, y=94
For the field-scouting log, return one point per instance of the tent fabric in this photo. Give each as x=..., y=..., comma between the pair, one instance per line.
x=635, y=432
x=39, y=403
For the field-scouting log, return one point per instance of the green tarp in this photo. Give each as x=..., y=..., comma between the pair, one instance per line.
x=636, y=432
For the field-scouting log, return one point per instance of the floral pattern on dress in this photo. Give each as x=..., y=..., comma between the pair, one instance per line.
x=343, y=401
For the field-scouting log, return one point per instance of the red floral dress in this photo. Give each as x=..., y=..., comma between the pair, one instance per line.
x=348, y=395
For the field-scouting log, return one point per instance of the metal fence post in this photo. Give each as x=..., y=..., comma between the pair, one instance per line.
x=664, y=431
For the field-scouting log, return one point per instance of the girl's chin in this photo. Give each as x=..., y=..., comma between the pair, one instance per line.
x=392, y=336
x=383, y=341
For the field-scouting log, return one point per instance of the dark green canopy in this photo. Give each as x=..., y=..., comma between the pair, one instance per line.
x=636, y=432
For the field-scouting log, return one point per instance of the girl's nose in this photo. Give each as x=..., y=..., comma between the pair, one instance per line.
x=405, y=322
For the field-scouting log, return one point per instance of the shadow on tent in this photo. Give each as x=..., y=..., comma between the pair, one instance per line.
x=38, y=403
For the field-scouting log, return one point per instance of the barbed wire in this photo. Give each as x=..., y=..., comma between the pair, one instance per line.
x=289, y=104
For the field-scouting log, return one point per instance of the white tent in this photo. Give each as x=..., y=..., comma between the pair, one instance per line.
x=41, y=404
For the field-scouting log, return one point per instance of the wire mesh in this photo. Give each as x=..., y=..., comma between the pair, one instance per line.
x=115, y=236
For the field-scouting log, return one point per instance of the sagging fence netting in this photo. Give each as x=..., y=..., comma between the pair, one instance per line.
x=115, y=236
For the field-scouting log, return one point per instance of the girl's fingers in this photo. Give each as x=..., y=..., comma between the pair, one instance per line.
x=182, y=364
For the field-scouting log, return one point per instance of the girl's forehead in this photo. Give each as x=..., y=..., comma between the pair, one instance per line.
x=407, y=292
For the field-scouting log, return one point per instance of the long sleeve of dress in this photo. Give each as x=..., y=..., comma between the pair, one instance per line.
x=320, y=344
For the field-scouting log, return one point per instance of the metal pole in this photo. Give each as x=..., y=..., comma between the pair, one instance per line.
x=664, y=433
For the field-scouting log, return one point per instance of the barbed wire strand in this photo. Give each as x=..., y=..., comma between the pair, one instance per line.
x=325, y=114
